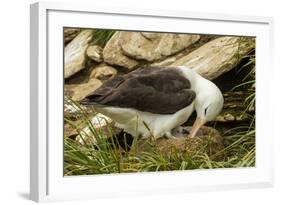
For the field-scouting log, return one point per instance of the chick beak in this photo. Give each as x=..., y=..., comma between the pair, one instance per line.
x=196, y=126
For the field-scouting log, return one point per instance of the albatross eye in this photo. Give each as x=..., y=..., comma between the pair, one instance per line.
x=205, y=111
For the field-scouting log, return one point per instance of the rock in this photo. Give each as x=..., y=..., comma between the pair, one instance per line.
x=138, y=46
x=112, y=53
x=207, y=140
x=94, y=52
x=80, y=91
x=126, y=49
x=151, y=35
x=103, y=72
x=234, y=107
x=69, y=34
x=101, y=123
x=69, y=131
x=74, y=55
x=69, y=106
x=217, y=56
x=165, y=63
x=229, y=117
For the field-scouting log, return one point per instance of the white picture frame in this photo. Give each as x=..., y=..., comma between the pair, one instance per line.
x=46, y=139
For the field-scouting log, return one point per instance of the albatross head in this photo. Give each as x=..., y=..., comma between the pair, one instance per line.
x=208, y=104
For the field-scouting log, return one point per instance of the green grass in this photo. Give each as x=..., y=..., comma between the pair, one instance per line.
x=105, y=158
x=101, y=37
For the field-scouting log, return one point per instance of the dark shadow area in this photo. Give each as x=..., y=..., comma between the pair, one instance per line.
x=121, y=140
x=234, y=77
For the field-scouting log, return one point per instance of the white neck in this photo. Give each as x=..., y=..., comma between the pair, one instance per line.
x=195, y=79
x=207, y=94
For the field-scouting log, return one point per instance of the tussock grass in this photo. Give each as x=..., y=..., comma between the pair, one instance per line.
x=101, y=37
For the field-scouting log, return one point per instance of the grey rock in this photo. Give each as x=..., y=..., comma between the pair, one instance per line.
x=94, y=52
x=127, y=49
x=80, y=91
x=69, y=34
x=74, y=54
x=103, y=72
x=217, y=56
x=112, y=53
x=154, y=46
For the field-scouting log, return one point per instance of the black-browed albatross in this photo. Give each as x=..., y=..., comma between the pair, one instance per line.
x=153, y=100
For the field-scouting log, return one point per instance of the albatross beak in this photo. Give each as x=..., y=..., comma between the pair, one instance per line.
x=196, y=126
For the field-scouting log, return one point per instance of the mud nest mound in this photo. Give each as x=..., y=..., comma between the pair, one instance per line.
x=207, y=140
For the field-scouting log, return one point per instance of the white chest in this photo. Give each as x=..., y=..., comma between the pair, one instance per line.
x=144, y=123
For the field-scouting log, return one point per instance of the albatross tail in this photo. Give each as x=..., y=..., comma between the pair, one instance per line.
x=87, y=101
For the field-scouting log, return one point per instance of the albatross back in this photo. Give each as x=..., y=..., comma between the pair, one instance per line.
x=151, y=89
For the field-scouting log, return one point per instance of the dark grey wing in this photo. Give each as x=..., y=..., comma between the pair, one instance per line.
x=106, y=89
x=158, y=91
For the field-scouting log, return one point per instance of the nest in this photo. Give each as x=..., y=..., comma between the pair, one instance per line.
x=207, y=140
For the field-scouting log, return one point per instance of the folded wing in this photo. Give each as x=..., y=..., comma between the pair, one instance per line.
x=155, y=90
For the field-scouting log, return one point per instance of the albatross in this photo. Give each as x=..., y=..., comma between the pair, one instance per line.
x=151, y=101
